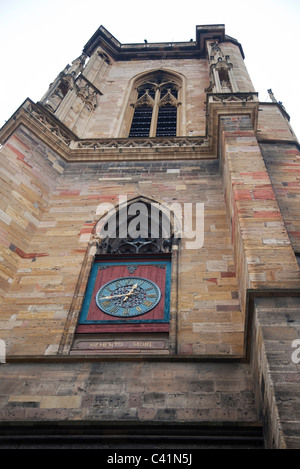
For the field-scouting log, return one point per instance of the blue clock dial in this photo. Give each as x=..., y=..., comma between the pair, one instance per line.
x=128, y=297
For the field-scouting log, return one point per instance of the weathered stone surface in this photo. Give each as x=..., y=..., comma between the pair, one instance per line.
x=276, y=370
x=227, y=358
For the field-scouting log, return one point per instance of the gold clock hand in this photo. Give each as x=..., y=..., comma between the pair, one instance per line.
x=111, y=296
x=131, y=291
x=117, y=296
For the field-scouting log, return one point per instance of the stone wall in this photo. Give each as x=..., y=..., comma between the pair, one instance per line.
x=49, y=208
x=114, y=81
x=264, y=254
x=276, y=369
x=29, y=172
x=283, y=164
x=126, y=391
x=45, y=297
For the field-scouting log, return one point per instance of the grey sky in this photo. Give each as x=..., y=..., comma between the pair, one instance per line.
x=40, y=37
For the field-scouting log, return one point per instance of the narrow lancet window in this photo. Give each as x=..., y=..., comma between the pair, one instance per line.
x=141, y=121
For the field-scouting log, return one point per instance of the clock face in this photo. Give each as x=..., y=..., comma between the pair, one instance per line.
x=128, y=297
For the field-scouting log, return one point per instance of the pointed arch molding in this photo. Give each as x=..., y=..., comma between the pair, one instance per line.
x=131, y=98
x=161, y=226
x=155, y=332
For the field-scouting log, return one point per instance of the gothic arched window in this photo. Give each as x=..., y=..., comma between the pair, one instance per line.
x=156, y=106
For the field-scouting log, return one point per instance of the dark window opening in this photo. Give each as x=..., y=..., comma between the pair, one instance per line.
x=167, y=90
x=156, y=106
x=224, y=80
x=166, y=121
x=141, y=122
x=146, y=90
x=63, y=88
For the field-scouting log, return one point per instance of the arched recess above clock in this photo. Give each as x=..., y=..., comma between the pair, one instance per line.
x=138, y=226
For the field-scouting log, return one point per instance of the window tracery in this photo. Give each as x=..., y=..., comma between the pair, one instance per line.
x=156, y=107
x=146, y=229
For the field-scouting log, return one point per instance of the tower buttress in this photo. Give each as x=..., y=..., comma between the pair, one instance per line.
x=222, y=79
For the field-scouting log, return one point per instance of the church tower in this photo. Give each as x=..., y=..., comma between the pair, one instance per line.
x=150, y=244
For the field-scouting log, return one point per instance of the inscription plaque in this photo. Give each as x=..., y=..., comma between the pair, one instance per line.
x=121, y=346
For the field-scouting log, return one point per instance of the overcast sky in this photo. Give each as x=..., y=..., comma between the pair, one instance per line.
x=40, y=37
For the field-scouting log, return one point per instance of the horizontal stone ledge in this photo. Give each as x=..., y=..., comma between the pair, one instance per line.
x=59, y=359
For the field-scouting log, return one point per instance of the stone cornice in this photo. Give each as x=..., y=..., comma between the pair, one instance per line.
x=153, y=51
x=63, y=141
